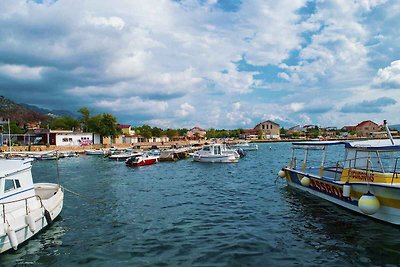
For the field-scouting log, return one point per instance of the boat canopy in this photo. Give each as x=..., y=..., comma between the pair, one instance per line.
x=318, y=143
x=381, y=144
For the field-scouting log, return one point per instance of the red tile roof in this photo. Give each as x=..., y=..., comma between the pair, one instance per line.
x=124, y=126
x=364, y=122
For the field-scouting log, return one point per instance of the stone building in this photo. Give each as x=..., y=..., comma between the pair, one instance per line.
x=268, y=130
x=366, y=128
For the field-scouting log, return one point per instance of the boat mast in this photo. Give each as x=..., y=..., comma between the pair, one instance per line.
x=388, y=132
x=9, y=135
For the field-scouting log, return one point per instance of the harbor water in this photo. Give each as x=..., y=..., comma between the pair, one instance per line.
x=186, y=213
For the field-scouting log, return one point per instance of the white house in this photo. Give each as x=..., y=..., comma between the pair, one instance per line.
x=70, y=138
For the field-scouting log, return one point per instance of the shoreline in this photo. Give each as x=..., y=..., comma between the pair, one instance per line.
x=159, y=145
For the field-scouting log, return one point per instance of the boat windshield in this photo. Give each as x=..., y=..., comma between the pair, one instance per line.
x=377, y=161
x=206, y=148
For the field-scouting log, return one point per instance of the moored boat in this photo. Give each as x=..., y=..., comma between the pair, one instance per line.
x=25, y=207
x=141, y=160
x=246, y=146
x=366, y=181
x=216, y=153
x=95, y=152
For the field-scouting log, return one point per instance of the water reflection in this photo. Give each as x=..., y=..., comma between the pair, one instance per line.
x=340, y=236
x=42, y=249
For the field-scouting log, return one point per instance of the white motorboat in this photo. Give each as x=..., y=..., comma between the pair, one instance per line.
x=95, y=152
x=216, y=153
x=246, y=146
x=124, y=155
x=25, y=207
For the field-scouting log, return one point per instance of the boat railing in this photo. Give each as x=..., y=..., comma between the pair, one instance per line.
x=395, y=172
x=25, y=200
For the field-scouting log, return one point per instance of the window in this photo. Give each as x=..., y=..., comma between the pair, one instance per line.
x=65, y=139
x=8, y=185
x=17, y=184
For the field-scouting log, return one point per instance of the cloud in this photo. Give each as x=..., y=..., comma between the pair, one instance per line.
x=112, y=21
x=21, y=72
x=133, y=105
x=185, y=110
x=195, y=62
x=388, y=77
x=369, y=106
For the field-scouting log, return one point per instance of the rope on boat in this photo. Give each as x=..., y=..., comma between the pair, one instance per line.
x=87, y=199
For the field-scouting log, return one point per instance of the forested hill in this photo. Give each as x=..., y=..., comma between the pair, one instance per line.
x=18, y=113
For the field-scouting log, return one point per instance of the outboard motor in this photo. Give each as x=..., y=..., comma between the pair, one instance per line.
x=241, y=152
x=128, y=161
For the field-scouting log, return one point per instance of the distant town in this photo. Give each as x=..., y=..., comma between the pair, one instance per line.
x=69, y=132
x=25, y=125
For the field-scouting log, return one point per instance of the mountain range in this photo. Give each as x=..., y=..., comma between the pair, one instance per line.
x=22, y=113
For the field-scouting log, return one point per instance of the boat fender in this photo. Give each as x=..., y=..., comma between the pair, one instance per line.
x=305, y=181
x=12, y=236
x=346, y=190
x=31, y=222
x=48, y=217
x=368, y=203
x=282, y=173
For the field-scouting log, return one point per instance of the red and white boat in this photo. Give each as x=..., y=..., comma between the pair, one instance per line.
x=141, y=160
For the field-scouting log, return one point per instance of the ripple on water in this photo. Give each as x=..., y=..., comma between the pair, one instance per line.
x=192, y=214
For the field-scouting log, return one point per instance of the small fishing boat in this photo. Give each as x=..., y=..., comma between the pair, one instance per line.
x=366, y=181
x=95, y=152
x=25, y=207
x=245, y=146
x=141, y=160
x=216, y=153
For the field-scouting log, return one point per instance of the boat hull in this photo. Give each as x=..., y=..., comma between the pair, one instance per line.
x=216, y=158
x=18, y=222
x=94, y=152
x=388, y=195
x=145, y=162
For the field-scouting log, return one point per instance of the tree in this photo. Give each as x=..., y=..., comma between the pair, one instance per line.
x=14, y=128
x=157, y=132
x=171, y=133
x=182, y=131
x=104, y=124
x=145, y=131
x=85, y=118
x=108, y=126
x=64, y=123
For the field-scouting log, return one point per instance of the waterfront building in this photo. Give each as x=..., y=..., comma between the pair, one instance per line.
x=268, y=130
x=197, y=131
x=249, y=134
x=364, y=128
x=126, y=129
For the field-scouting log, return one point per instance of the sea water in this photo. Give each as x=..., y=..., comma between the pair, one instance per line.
x=187, y=213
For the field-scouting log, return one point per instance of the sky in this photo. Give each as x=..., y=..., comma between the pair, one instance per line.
x=209, y=63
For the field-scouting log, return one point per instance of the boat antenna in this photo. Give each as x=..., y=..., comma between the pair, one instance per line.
x=388, y=132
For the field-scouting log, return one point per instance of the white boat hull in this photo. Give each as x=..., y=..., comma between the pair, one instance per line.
x=216, y=158
x=52, y=197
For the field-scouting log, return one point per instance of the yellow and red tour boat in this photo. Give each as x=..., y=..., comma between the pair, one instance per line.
x=366, y=181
